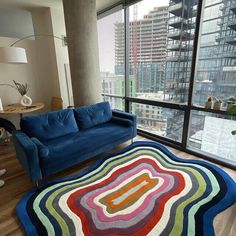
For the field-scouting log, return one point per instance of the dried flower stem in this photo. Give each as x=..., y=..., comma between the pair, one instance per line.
x=21, y=88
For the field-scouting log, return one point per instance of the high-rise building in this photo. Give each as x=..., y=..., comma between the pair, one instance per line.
x=114, y=84
x=216, y=68
x=181, y=26
x=147, y=49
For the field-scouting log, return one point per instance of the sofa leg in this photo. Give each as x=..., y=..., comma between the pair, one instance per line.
x=132, y=141
x=37, y=183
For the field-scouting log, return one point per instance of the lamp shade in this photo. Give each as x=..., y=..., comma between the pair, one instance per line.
x=13, y=55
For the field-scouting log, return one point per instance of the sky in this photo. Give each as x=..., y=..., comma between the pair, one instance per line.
x=147, y=5
x=106, y=32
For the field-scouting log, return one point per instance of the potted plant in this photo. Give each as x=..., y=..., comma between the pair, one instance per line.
x=208, y=104
x=22, y=89
x=231, y=105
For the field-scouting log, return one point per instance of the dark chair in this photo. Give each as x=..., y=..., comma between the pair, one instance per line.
x=7, y=125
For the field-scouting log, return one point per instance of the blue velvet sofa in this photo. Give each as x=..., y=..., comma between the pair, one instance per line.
x=51, y=142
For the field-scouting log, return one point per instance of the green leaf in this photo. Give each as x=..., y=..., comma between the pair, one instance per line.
x=232, y=110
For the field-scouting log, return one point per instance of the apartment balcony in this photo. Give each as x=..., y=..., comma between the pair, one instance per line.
x=230, y=40
x=180, y=47
x=233, y=9
x=178, y=22
x=232, y=25
x=177, y=58
x=182, y=10
x=230, y=55
x=178, y=8
x=180, y=35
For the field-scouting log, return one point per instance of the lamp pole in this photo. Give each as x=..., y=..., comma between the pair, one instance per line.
x=39, y=35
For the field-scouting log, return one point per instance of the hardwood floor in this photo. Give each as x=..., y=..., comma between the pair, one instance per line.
x=17, y=184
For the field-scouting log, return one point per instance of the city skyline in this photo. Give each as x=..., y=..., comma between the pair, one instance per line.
x=106, y=39
x=215, y=68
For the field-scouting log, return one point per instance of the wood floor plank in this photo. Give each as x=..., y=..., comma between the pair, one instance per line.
x=17, y=184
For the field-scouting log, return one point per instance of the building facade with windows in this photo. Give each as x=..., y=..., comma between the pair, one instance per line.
x=147, y=49
x=158, y=50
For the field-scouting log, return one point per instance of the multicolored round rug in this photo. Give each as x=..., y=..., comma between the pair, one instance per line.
x=140, y=190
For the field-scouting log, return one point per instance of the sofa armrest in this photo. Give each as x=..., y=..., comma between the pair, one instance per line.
x=128, y=116
x=27, y=153
x=125, y=115
x=42, y=149
x=121, y=121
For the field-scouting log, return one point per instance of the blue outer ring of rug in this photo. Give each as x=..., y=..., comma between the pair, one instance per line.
x=225, y=202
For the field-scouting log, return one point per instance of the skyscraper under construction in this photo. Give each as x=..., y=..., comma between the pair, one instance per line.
x=147, y=49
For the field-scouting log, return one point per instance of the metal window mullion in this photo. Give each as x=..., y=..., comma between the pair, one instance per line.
x=187, y=115
x=127, y=37
x=163, y=104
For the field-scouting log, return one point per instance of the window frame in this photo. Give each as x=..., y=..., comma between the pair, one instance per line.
x=187, y=108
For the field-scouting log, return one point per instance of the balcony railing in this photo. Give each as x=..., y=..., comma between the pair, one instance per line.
x=233, y=9
x=179, y=47
x=230, y=54
x=180, y=35
x=178, y=22
x=182, y=10
x=232, y=25
x=178, y=8
x=231, y=40
x=178, y=58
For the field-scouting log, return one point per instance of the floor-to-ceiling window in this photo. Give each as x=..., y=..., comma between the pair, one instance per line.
x=111, y=55
x=171, y=55
x=215, y=76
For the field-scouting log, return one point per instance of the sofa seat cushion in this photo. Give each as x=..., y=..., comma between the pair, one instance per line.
x=50, y=125
x=70, y=149
x=92, y=115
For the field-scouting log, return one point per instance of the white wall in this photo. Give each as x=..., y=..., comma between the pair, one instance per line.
x=59, y=30
x=45, y=70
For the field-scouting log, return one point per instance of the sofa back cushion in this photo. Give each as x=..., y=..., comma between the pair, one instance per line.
x=92, y=115
x=49, y=125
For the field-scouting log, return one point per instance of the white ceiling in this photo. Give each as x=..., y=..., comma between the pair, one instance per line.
x=101, y=4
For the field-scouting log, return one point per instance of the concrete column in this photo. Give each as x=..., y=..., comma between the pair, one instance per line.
x=81, y=28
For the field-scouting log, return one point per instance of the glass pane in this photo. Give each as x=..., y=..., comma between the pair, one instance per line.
x=159, y=121
x=115, y=103
x=216, y=63
x=110, y=28
x=161, y=44
x=212, y=134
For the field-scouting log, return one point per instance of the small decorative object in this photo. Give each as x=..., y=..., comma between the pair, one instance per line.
x=22, y=89
x=217, y=104
x=231, y=103
x=1, y=107
x=25, y=101
x=208, y=104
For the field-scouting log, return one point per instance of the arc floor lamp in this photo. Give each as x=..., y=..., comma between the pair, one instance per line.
x=17, y=55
